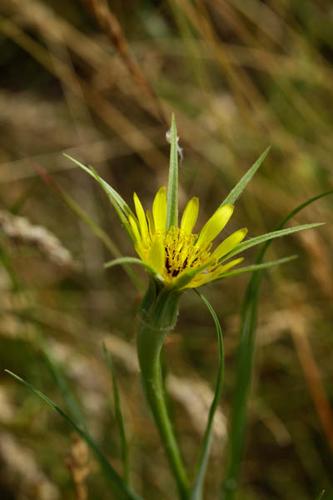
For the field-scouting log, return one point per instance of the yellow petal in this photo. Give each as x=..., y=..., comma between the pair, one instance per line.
x=214, y=225
x=134, y=228
x=200, y=280
x=141, y=217
x=157, y=255
x=204, y=278
x=160, y=210
x=229, y=244
x=226, y=267
x=140, y=251
x=151, y=225
x=190, y=215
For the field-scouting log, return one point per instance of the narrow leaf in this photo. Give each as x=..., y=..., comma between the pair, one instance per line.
x=197, y=489
x=119, y=415
x=172, y=195
x=245, y=361
x=269, y=236
x=110, y=473
x=66, y=392
x=241, y=185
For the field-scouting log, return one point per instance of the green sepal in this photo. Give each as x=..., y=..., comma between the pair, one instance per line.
x=243, y=182
x=119, y=204
x=122, y=261
x=257, y=240
x=257, y=267
x=172, y=194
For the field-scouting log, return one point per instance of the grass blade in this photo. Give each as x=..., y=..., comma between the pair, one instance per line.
x=241, y=185
x=245, y=363
x=196, y=493
x=66, y=392
x=110, y=473
x=119, y=416
x=172, y=196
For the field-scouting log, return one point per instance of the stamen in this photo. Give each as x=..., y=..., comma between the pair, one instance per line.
x=181, y=252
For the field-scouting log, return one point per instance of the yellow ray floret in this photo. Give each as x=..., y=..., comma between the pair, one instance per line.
x=190, y=216
x=179, y=257
x=160, y=210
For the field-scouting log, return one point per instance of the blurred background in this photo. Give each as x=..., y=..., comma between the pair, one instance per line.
x=99, y=81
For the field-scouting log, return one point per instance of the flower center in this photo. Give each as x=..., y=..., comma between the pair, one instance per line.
x=181, y=252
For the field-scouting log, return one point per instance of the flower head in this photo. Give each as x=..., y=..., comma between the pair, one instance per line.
x=178, y=255
x=174, y=253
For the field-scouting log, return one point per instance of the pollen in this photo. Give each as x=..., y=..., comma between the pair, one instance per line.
x=181, y=252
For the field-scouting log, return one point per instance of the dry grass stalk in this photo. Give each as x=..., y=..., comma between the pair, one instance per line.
x=78, y=464
x=299, y=333
x=108, y=21
x=321, y=262
x=103, y=108
x=20, y=231
x=21, y=474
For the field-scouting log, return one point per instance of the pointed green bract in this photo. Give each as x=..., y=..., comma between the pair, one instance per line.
x=256, y=267
x=270, y=236
x=110, y=473
x=120, y=205
x=172, y=195
x=128, y=260
x=99, y=232
x=241, y=185
x=196, y=493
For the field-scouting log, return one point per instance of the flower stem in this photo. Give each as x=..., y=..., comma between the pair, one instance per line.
x=159, y=314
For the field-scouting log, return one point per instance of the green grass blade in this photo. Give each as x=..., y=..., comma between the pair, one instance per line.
x=197, y=489
x=270, y=236
x=256, y=267
x=245, y=356
x=172, y=196
x=120, y=205
x=119, y=416
x=241, y=185
x=111, y=474
x=66, y=392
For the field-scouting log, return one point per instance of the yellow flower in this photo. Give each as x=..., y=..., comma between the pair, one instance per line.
x=178, y=256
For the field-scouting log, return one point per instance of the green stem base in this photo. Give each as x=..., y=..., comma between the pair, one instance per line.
x=159, y=315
